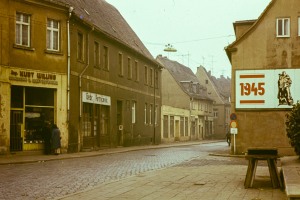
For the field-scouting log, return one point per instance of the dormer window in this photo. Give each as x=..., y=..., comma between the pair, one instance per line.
x=283, y=27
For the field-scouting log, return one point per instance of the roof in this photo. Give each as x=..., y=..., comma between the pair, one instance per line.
x=230, y=48
x=185, y=78
x=107, y=19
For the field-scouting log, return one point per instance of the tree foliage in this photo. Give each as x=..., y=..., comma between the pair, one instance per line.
x=293, y=127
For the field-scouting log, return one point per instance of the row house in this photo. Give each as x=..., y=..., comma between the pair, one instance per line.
x=77, y=64
x=265, y=59
x=219, y=91
x=187, y=111
x=33, y=73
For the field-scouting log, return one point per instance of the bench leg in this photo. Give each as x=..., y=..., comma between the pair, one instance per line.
x=274, y=175
x=250, y=176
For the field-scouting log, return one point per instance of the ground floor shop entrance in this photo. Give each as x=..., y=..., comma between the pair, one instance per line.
x=31, y=109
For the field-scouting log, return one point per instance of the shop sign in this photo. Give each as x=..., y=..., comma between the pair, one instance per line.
x=32, y=77
x=267, y=89
x=89, y=97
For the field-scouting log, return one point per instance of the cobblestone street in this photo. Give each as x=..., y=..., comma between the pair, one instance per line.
x=55, y=179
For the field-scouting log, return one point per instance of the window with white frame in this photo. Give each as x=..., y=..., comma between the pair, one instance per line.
x=150, y=114
x=145, y=113
x=283, y=27
x=23, y=29
x=298, y=26
x=52, y=35
x=133, y=112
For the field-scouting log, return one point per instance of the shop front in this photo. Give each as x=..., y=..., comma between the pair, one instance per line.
x=36, y=100
x=95, y=121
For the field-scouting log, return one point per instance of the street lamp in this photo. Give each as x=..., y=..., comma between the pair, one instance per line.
x=169, y=48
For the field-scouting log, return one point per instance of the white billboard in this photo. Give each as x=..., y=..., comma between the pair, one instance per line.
x=89, y=97
x=277, y=88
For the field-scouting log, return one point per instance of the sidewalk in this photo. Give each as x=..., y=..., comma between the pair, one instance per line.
x=31, y=157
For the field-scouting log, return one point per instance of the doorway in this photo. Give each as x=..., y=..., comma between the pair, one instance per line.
x=119, y=123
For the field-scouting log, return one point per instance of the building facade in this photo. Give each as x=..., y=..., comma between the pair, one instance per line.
x=114, y=81
x=265, y=62
x=33, y=73
x=187, y=111
x=77, y=64
x=218, y=89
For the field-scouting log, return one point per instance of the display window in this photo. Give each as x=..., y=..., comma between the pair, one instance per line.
x=35, y=108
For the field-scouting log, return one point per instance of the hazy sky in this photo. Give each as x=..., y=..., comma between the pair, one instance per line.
x=198, y=29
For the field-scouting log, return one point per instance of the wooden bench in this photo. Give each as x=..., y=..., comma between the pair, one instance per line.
x=268, y=154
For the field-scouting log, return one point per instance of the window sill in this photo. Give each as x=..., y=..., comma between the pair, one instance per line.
x=54, y=52
x=23, y=47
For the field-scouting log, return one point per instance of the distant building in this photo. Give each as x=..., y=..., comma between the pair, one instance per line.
x=187, y=110
x=265, y=61
x=218, y=89
x=77, y=64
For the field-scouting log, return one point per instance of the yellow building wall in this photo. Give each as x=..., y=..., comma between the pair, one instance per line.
x=261, y=49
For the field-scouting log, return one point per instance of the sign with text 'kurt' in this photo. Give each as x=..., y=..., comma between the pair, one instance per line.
x=267, y=89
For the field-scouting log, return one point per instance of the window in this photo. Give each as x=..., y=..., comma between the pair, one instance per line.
x=146, y=75
x=145, y=113
x=156, y=79
x=96, y=54
x=80, y=46
x=136, y=71
x=151, y=77
x=283, y=27
x=150, y=114
x=298, y=26
x=155, y=117
x=52, y=35
x=121, y=70
x=23, y=29
x=133, y=108
x=166, y=126
x=105, y=58
x=129, y=68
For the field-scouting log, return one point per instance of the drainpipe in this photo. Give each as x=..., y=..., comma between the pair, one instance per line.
x=83, y=71
x=68, y=61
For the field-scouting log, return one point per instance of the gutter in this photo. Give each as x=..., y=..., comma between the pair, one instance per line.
x=68, y=63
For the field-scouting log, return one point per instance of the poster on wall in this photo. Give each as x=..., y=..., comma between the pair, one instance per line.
x=267, y=89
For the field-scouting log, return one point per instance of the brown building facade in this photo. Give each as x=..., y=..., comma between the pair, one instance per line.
x=265, y=73
x=114, y=81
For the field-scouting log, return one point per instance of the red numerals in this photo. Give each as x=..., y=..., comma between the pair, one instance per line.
x=252, y=88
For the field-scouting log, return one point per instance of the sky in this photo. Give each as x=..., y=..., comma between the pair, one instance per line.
x=198, y=29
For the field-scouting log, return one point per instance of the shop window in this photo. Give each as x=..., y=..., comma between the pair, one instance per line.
x=283, y=27
x=145, y=113
x=39, y=96
x=171, y=126
x=150, y=114
x=87, y=118
x=165, y=127
x=23, y=29
x=133, y=112
x=52, y=35
x=181, y=126
x=17, y=97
